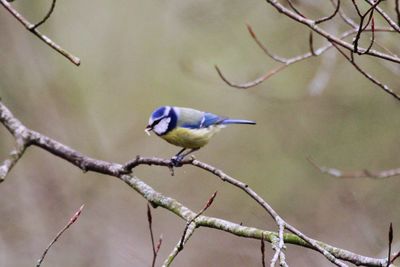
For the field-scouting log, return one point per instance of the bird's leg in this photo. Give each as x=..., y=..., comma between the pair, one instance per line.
x=176, y=160
x=180, y=152
x=189, y=152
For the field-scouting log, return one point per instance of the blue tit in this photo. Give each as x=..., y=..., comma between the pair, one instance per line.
x=187, y=128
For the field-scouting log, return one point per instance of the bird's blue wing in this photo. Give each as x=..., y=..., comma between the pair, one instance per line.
x=210, y=119
x=204, y=121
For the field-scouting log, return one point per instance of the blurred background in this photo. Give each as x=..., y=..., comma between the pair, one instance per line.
x=138, y=55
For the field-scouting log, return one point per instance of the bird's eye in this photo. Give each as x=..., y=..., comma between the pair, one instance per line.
x=155, y=122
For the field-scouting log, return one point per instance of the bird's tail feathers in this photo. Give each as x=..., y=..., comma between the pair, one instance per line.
x=236, y=121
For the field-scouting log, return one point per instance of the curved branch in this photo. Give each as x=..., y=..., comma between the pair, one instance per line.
x=32, y=28
x=59, y=234
x=251, y=83
x=47, y=16
x=337, y=7
x=321, y=50
x=391, y=22
x=384, y=87
x=356, y=174
x=17, y=129
x=330, y=37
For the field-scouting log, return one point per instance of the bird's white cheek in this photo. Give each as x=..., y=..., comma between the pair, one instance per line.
x=162, y=126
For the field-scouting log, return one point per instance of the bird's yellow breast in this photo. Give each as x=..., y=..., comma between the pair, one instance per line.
x=190, y=138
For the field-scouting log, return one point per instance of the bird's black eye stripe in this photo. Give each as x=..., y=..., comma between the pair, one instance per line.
x=156, y=121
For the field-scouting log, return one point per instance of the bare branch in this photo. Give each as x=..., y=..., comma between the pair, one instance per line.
x=13, y=158
x=397, y=8
x=311, y=43
x=294, y=8
x=47, y=16
x=384, y=15
x=262, y=250
x=226, y=178
x=286, y=61
x=208, y=204
x=356, y=8
x=71, y=221
x=264, y=48
x=384, y=48
x=346, y=18
x=252, y=83
x=390, y=244
x=32, y=28
x=367, y=75
x=188, y=231
x=330, y=37
x=391, y=259
x=395, y=257
x=120, y=171
x=155, y=247
x=337, y=7
x=356, y=174
x=362, y=28
x=323, y=19
x=278, y=245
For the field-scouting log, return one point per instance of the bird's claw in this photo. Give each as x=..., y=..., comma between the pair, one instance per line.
x=176, y=161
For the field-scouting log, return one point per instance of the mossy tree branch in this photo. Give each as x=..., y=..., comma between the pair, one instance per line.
x=123, y=172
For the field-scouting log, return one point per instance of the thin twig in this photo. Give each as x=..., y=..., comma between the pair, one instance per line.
x=367, y=75
x=346, y=18
x=208, y=204
x=391, y=22
x=155, y=247
x=254, y=82
x=362, y=28
x=286, y=61
x=356, y=8
x=320, y=20
x=397, y=9
x=384, y=48
x=278, y=246
x=391, y=259
x=71, y=221
x=328, y=36
x=189, y=232
x=394, y=258
x=31, y=27
x=390, y=239
x=294, y=8
x=262, y=250
x=355, y=174
x=337, y=7
x=264, y=48
x=14, y=156
x=47, y=16
x=311, y=43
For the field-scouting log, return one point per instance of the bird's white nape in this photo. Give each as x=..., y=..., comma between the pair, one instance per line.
x=161, y=127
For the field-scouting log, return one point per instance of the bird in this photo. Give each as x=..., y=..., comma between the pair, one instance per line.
x=187, y=128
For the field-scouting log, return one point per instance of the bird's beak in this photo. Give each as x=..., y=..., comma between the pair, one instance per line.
x=148, y=129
